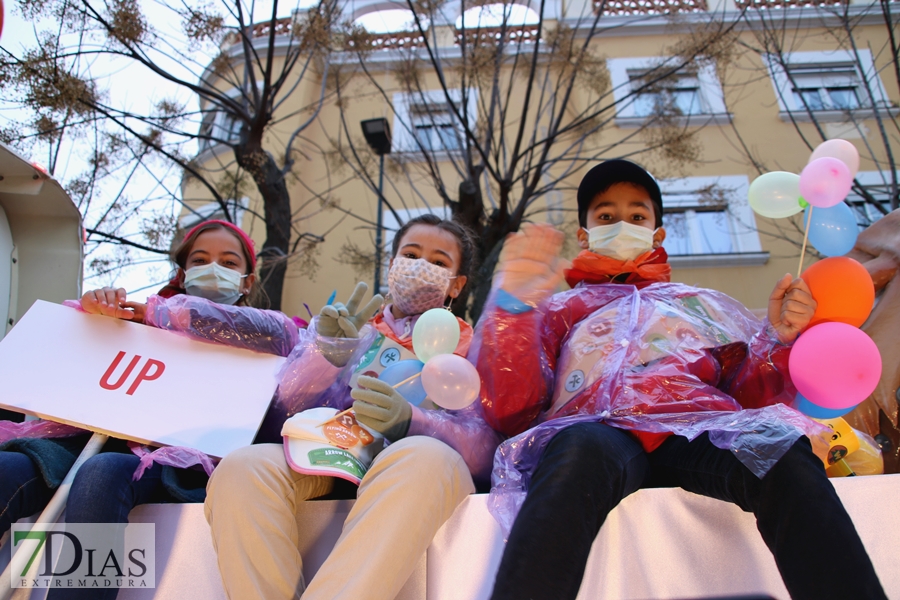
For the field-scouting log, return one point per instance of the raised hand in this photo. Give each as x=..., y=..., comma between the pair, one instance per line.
x=791, y=308
x=339, y=320
x=530, y=267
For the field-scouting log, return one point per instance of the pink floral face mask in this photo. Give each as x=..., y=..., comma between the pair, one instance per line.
x=416, y=285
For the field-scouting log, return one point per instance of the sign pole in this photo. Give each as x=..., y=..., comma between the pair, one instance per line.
x=55, y=507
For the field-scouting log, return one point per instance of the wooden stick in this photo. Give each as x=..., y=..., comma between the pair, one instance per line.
x=407, y=380
x=805, y=238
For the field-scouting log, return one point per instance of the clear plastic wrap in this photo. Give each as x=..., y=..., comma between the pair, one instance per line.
x=868, y=460
x=309, y=379
x=36, y=429
x=668, y=358
x=171, y=456
x=267, y=331
x=466, y=432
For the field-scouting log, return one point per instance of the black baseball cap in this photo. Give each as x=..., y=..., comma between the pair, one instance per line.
x=600, y=178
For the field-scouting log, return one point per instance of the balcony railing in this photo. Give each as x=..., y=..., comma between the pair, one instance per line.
x=262, y=29
x=786, y=3
x=397, y=40
x=649, y=7
x=515, y=34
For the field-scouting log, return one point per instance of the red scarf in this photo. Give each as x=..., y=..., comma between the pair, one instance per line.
x=649, y=267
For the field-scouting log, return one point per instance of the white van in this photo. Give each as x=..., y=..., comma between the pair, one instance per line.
x=41, y=239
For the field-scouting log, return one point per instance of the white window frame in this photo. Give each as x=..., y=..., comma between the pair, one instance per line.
x=217, y=121
x=390, y=226
x=213, y=210
x=746, y=247
x=710, y=96
x=870, y=179
x=403, y=140
x=788, y=105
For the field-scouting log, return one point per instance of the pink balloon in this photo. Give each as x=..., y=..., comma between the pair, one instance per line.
x=842, y=150
x=835, y=365
x=825, y=181
x=451, y=381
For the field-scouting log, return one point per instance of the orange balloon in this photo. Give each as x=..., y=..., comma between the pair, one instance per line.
x=843, y=290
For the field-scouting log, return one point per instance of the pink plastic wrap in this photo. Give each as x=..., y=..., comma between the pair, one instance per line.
x=268, y=331
x=309, y=379
x=36, y=429
x=171, y=456
x=666, y=359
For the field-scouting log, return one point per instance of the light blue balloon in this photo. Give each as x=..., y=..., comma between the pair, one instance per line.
x=818, y=412
x=833, y=230
x=404, y=369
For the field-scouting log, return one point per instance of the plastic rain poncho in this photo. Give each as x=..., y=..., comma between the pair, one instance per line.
x=309, y=380
x=665, y=359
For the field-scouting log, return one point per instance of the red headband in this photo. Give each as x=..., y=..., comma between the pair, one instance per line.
x=245, y=239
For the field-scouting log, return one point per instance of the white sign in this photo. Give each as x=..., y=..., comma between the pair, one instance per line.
x=133, y=381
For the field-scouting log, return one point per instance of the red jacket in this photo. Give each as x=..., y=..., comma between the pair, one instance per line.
x=651, y=360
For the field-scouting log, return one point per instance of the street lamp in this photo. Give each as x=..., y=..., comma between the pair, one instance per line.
x=378, y=135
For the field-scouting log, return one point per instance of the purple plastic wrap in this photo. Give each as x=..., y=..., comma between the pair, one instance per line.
x=268, y=331
x=666, y=359
x=309, y=380
x=171, y=456
x=463, y=430
x=36, y=429
x=76, y=304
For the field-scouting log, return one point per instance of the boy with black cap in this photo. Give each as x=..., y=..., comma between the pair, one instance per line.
x=660, y=384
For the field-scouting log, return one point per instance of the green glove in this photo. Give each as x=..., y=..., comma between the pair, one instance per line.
x=339, y=320
x=380, y=407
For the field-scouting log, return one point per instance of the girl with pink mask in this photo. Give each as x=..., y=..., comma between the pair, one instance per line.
x=434, y=460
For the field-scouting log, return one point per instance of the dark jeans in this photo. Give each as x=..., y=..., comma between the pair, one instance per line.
x=104, y=492
x=23, y=491
x=587, y=469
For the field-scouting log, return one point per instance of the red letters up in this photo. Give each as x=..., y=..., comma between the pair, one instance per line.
x=151, y=370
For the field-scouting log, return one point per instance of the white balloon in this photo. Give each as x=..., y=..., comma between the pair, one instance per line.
x=436, y=332
x=451, y=381
x=842, y=150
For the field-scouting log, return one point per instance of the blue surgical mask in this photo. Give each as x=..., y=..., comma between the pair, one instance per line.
x=214, y=282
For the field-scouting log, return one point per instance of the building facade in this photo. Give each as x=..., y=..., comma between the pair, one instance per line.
x=706, y=96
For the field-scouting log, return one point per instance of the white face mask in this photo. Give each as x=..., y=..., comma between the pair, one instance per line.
x=623, y=241
x=416, y=285
x=214, y=282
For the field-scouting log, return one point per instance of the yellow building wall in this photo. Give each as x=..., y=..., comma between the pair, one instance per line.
x=750, y=97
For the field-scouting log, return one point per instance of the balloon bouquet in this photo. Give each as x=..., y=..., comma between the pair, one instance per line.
x=447, y=380
x=833, y=364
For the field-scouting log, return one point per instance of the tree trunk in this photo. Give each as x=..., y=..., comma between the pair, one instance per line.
x=469, y=210
x=277, y=206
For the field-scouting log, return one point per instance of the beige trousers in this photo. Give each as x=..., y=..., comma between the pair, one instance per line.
x=411, y=489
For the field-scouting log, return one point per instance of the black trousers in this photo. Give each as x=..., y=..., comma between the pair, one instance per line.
x=587, y=469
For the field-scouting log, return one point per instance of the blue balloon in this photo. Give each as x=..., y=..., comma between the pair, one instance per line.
x=833, y=230
x=817, y=412
x=404, y=369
